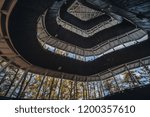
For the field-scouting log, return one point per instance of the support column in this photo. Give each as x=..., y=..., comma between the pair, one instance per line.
x=22, y=84
x=71, y=91
x=131, y=76
x=51, y=88
x=74, y=87
x=83, y=91
x=41, y=85
x=113, y=75
x=60, y=87
x=22, y=77
x=23, y=90
x=145, y=67
x=94, y=90
x=88, y=90
x=55, y=91
x=86, y=97
x=12, y=82
x=99, y=92
x=101, y=86
x=3, y=78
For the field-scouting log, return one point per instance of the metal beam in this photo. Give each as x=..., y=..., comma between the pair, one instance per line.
x=3, y=78
x=71, y=90
x=99, y=92
x=21, y=86
x=101, y=85
x=88, y=89
x=41, y=85
x=74, y=87
x=83, y=91
x=60, y=87
x=94, y=90
x=113, y=75
x=23, y=90
x=12, y=82
x=131, y=76
x=51, y=88
x=22, y=77
x=55, y=90
x=145, y=67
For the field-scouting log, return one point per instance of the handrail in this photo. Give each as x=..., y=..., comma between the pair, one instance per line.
x=89, y=32
x=96, y=49
x=118, y=69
